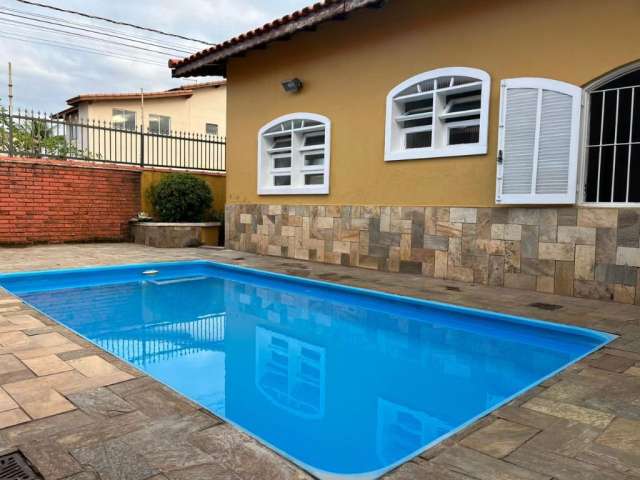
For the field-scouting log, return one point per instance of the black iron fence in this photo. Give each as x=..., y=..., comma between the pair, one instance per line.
x=38, y=135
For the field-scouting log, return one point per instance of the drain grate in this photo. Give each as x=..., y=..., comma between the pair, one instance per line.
x=15, y=466
x=453, y=289
x=545, y=306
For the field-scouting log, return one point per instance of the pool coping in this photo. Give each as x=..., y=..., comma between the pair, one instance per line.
x=605, y=337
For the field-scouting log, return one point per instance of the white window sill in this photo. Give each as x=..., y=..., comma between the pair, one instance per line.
x=307, y=190
x=608, y=205
x=426, y=153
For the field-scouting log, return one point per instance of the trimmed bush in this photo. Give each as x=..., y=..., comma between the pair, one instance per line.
x=181, y=197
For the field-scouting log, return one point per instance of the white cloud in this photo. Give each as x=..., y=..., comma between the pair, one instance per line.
x=45, y=75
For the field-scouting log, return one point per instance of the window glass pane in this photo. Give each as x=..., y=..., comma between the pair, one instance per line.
x=282, y=162
x=421, y=122
x=281, y=142
x=159, y=124
x=620, y=178
x=316, y=139
x=314, y=159
x=634, y=175
x=418, y=140
x=606, y=174
x=624, y=115
x=314, y=179
x=123, y=119
x=421, y=106
x=212, y=129
x=282, y=180
x=462, y=105
x=609, y=125
x=461, y=135
x=629, y=79
x=595, y=118
x=592, y=174
x=635, y=134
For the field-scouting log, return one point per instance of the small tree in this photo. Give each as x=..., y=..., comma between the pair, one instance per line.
x=36, y=139
x=181, y=197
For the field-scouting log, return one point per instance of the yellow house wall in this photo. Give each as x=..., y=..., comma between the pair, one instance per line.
x=349, y=67
x=188, y=114
x=217, y=182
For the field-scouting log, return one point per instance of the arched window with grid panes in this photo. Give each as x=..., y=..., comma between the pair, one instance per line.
x=294, y=154
x=439, y=113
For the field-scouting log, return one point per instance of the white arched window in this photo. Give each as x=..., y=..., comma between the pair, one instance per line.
x=293, y=155
x=440, y=113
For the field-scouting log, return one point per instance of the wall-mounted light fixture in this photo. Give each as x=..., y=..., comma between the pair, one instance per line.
x=292, y=86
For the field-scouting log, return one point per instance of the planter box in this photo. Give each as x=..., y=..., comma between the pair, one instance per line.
x=175, y=235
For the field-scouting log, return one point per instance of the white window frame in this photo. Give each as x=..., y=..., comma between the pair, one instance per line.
x=393, y=131
x=584, y=141
x=266, y=169
x=536, y=198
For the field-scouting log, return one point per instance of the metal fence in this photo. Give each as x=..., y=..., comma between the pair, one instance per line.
x=38, y=135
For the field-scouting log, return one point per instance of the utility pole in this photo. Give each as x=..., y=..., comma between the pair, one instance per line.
x=10, y=111
x=142, y=127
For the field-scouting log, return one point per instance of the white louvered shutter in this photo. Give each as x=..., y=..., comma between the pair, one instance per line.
x=538, y=141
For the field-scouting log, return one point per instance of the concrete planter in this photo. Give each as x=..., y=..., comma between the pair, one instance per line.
x=175, y=235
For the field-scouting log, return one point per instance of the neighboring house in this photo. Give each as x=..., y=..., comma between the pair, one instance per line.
x=473, y=141
x=198, y=108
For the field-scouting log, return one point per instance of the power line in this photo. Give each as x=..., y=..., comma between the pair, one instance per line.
x=97, y=32
x=115, y=22
x=176, y=44
x=36, y=40
x=81, y=35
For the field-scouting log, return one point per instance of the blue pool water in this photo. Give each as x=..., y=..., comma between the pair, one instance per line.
x=340, y=380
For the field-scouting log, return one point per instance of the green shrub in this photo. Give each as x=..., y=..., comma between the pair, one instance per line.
x=181, y=197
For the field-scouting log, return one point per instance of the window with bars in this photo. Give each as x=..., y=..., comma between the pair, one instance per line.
x=293, y=155
x=440, y=113
x=612, y=157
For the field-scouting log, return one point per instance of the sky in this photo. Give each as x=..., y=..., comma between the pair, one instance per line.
x=45, y=75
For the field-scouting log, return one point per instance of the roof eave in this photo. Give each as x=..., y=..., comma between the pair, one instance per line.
x=215, y=63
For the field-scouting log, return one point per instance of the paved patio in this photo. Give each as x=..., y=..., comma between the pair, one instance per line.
x=78, y=413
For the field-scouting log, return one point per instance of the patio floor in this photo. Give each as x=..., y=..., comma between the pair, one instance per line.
x=79, y=413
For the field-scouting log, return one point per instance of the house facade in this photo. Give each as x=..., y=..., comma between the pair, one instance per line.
x=493, y=142
x=198, y=108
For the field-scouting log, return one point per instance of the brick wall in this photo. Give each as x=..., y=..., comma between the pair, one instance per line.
x=582, y=252
x=44, y=201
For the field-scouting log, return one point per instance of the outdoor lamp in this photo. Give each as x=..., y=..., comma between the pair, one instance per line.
x=292, y=86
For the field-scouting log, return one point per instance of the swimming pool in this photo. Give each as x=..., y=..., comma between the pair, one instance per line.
x=340, y=380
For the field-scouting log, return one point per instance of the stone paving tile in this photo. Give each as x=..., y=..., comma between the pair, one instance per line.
x=128, y=426
x=499, y=438
x=565, y=438
x=47, y=365
x=560, y=467
x=114, y=460
x=101, y=401
x=484, y=467
x=418, y=470
x=51, y=460
x=13, y=417
x=570, y=412
x=242, y=455
x=622, y=434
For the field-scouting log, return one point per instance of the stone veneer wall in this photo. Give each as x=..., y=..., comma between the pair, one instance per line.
x=582, y=252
